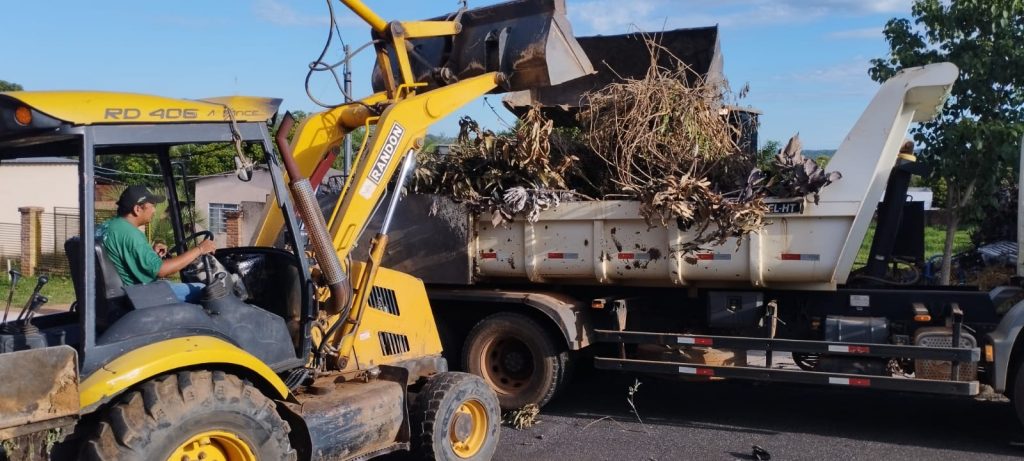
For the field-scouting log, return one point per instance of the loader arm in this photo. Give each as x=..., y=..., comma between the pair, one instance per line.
x=508, y=45
x=501, y=47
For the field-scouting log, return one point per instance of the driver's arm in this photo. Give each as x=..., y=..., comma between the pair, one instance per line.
x=177, y=263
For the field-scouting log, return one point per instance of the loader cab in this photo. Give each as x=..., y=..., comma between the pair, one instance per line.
x=257, y=298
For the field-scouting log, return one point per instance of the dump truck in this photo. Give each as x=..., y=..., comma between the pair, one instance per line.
x=522, y=303
x=298, y=348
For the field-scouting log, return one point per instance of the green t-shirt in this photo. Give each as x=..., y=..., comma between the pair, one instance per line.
x=128, y=249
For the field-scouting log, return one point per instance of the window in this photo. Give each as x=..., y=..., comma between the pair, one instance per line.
x=218, y=220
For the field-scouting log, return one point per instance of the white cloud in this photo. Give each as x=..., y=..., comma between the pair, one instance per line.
x=867, y=32
x=615, y=17
x=854, y=70
x=609, y=16
x=282, y=14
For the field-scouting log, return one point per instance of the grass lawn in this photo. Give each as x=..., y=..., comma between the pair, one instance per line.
x=934, y=242
x=59, y=290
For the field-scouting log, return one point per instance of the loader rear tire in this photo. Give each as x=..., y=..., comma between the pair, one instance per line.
x=518, y=358
x=455, y=416
x=192, y=415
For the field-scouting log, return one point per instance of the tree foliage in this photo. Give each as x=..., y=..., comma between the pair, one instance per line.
x=974, y=142
x=9, y=86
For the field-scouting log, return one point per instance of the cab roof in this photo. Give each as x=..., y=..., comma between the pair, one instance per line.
x=100, y=107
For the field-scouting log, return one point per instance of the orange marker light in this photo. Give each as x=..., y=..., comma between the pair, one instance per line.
x=23, y=115
x=923, y=318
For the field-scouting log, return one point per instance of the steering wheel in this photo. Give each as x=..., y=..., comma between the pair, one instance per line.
x=176, y=249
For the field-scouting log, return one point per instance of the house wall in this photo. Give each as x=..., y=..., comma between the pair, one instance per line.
x=229, y=189
x=45, y=185
x=42, y=185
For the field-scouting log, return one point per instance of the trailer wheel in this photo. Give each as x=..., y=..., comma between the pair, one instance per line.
x=518, y=358
x=455, y=416
x=192, y=415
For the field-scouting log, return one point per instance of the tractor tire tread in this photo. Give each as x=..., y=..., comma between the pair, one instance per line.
x=163, y=402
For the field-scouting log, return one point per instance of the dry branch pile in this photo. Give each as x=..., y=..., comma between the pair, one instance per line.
x=660, y=140
x=668, y=144
x=506, y=175
x=795, y=175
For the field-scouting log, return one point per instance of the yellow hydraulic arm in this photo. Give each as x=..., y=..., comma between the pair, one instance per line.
x=398, y=117
x=397, y=120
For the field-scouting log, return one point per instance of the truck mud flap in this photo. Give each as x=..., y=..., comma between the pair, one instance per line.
x=530, y=41
x=39, y=391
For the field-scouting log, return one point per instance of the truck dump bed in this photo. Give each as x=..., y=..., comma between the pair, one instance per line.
x=608, y=242
x=805, y=246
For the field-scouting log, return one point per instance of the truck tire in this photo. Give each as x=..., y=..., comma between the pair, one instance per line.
x=455, y=417
x=518, y=358
x=188, y=414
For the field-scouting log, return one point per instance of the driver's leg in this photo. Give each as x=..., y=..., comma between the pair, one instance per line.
x=187, y=292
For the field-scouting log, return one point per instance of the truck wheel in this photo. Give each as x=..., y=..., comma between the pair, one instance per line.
x=192, y=415
x=455, y=416
x=518, y=358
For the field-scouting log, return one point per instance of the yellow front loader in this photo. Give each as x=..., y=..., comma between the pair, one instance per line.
x=301, y=347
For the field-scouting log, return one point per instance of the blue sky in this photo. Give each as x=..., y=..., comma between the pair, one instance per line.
x=805, y=60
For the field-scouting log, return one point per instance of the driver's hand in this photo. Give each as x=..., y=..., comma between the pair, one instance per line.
x=207, y=247
x=160, y=249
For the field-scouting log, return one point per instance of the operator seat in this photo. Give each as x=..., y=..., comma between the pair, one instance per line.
x=111, y=300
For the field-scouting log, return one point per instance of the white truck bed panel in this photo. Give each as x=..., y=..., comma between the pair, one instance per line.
x=608, y=242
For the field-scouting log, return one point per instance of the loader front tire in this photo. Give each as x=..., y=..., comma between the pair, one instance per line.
x=518, y=358
x=455, y=417
x=192, y=415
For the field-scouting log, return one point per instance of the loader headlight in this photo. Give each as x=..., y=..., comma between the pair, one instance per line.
x=23, y=115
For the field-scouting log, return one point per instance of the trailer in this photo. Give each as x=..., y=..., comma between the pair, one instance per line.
x=520, y=303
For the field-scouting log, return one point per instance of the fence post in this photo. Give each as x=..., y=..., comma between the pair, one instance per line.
x=31, y=238
x=233, y=228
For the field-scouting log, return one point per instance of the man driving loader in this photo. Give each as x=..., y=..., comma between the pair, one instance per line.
x=136, y=261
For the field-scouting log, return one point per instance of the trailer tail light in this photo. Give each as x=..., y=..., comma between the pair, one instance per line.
x=990, y=353
x=23, y=115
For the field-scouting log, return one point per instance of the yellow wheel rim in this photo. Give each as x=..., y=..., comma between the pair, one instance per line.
x=468, y=428
x=213, y=446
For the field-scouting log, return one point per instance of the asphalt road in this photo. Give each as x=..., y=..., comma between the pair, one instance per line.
x=723, y=420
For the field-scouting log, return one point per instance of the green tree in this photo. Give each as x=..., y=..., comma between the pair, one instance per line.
x=9, y=86
x=766, y=154
x=975, y=139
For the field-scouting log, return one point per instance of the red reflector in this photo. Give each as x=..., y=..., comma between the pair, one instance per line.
x=860, y=350
x=489, y=255
x=705, y=256
x=702, y=341
x=860, y=382
x=556, y=255
x=625, y=255
x=705, y=372
x=790, y=257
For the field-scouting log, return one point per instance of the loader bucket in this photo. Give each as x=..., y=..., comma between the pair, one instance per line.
x=530, y=41
x=40, y=386
x=623, y=57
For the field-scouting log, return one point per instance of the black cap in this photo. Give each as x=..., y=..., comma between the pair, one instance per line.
x=137, y=195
